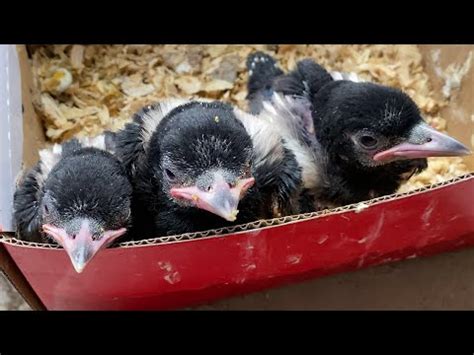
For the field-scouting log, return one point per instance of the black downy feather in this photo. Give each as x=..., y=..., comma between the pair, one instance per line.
x=327, y=110
x=82, y=178
x=189, y=134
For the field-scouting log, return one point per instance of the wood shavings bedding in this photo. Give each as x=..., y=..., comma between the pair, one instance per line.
x=84, y=90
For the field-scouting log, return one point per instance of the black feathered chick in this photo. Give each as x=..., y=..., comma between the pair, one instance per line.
x=201, y=165
x=78, y=195
x=368, y=138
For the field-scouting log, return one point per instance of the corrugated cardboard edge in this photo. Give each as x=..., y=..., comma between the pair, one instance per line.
x=35, y=139
x=449, y=54
x=8, y=238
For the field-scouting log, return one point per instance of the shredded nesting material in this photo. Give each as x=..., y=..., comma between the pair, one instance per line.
x=84, y=90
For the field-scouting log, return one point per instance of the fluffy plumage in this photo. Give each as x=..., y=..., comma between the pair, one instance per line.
x=367, y=138
x=178, y=146
x=296, y=176
x=75, y=189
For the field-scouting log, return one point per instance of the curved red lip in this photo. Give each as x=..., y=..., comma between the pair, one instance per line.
x=83, y=248
x=221, y=200
x=435, y=144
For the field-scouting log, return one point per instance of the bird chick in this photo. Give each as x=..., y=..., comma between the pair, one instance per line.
x=78, y=195
x=367, y=138
x=191, y=167
x=200, y=165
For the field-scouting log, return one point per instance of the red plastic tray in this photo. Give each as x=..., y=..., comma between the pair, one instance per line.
x=185, y=273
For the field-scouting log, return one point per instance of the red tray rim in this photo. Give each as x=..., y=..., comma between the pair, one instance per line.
x=10, y=239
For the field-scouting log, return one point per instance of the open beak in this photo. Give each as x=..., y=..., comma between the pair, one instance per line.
x=424, y=141
x=221, y=198
x=82, y=248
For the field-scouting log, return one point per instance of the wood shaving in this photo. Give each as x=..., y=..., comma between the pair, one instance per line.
x=108, y=83
x=453, y=74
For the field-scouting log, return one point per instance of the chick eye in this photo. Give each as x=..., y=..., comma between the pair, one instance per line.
x=169, y=174
x=47, y=208
x=368, y=142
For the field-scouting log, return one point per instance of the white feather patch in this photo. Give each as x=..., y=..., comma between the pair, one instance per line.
x=96, y=142
x=346, y=76
x=279, y=113
x=49, y=157
x=265, y=138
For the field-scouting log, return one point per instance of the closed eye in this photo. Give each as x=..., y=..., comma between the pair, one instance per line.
x=170, y=175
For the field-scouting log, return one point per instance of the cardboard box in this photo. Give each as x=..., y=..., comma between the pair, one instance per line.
x=186, y=270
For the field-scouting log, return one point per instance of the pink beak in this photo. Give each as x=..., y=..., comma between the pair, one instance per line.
x=83, y=247
x=221, y=199
x=423, y=142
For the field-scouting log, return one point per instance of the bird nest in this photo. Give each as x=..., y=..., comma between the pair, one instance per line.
x=84, y=90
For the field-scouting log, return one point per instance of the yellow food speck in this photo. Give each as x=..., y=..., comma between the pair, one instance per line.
x=216, y=119
x=234, y=214
x=58, y=75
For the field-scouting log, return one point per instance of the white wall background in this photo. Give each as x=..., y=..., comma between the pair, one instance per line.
x=11, y=131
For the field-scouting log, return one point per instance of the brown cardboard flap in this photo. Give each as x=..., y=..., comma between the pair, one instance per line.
x=33, y=131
